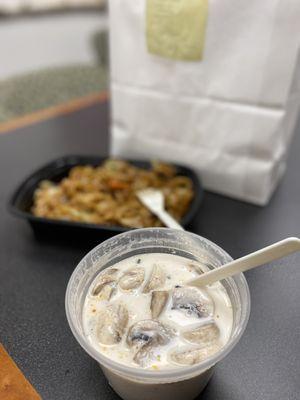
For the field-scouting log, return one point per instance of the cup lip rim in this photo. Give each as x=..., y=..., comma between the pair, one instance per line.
x=164, y=374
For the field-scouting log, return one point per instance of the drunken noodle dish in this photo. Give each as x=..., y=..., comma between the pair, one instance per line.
x=106, y=194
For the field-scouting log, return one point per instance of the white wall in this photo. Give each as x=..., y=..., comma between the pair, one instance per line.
x=31, y=43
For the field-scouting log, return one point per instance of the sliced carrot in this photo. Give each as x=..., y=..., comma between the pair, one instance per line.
x=114, y=184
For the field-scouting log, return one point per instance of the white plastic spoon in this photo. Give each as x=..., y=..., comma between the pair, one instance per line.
x=252, y=260
x=154, y=200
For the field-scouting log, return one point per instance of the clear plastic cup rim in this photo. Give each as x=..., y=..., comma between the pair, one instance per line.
x=166, y=375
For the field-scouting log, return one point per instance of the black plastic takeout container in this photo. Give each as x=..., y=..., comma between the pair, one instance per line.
x=22, y=200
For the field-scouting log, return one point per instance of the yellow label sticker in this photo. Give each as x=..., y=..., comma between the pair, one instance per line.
x=176, y=28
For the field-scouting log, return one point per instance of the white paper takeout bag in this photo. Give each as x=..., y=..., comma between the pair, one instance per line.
x=213, y=84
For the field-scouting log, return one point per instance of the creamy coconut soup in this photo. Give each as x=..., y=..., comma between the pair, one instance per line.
x=140, y=312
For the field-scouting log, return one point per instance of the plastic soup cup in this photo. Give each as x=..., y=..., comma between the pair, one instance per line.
x=168, y=384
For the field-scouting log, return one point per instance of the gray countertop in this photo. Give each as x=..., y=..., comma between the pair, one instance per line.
x=34, y=274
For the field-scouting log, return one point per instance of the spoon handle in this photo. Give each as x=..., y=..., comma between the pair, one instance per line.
x=252, y=260
x=167, y=219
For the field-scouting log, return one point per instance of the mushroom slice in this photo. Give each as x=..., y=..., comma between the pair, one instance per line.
x=106, y=284
x=156, y=280
x=159, y=299
x=192, y=302
x=132, y=279
x=193, y=355
x=145, y=336
x=105, y=291
x=206, y=334
x=112, y=323
x=147, y=331
x=145, y=355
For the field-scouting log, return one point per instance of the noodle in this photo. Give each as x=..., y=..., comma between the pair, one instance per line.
x=106, y=194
